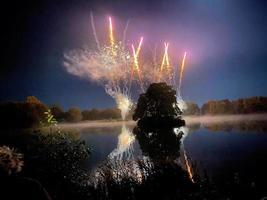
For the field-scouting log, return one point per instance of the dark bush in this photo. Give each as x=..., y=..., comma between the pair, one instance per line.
x=22, y=114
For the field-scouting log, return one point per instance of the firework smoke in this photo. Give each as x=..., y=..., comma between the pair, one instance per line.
x=123, y=101
x=125, y=32
x=109, y=66
x=116, y=68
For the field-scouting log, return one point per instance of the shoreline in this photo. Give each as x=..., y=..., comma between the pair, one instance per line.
x=190, y=120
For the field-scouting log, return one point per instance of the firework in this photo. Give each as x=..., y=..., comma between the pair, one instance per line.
x=136, y=67
x=115, y=67
x=124, y=103
x=111, y=37
x=165, y=60
x=109, y=66
x=166, y=71
x=181, y=74
x=94, y=30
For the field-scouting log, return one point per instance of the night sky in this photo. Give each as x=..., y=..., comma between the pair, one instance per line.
x=225, y=40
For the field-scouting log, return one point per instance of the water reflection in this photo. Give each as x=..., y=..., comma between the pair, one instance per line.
x=121, y=164
x=241, y=126
x=159, y=144
x=153, y=174
x=124, y=148
x=184, y=158
x=159, y=161
x=165, y=144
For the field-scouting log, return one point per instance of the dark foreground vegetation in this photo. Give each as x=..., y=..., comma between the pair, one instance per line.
x=51, y=162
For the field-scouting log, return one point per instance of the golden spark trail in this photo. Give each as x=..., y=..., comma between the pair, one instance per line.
x=111, y=37
x=181, y=74
x=136, y=54
x=136, y=67
x=94, y=30
x=136, y=62
x=162, y=63
x=139, y=47
x=186, y=164
x=165, y=59
x=188, y=167
x=167, y=56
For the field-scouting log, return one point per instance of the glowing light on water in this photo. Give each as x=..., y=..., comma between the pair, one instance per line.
x=124, y=147
x=187, y=165
x=123, y=165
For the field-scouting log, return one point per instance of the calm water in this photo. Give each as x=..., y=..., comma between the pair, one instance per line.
x=220, y=151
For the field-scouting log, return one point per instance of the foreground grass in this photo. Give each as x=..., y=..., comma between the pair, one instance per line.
x=54, y=159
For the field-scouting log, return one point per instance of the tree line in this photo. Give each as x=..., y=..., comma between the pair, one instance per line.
x=30, y=113
x=222, y=107
x=239, y=106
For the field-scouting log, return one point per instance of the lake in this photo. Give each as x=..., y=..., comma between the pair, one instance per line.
x=218, y=150
x=226, y=151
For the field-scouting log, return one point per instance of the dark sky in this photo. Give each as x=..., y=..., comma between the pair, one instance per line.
x=225, y=40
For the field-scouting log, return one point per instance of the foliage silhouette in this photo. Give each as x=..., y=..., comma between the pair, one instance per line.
x=26, y=114
x=159, y=143
x=74, y=115
x=158, y=107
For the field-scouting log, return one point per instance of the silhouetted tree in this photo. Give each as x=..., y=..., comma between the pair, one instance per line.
x=74, y=115
x=22, y=114
x=158, y=101
x=57, y=112
x=192, y=109
x=158, y=105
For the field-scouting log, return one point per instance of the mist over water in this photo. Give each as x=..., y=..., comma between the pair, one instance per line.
x=211, y=119
x=110, y=138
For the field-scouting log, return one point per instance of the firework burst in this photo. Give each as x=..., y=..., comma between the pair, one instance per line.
x=116, y=67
